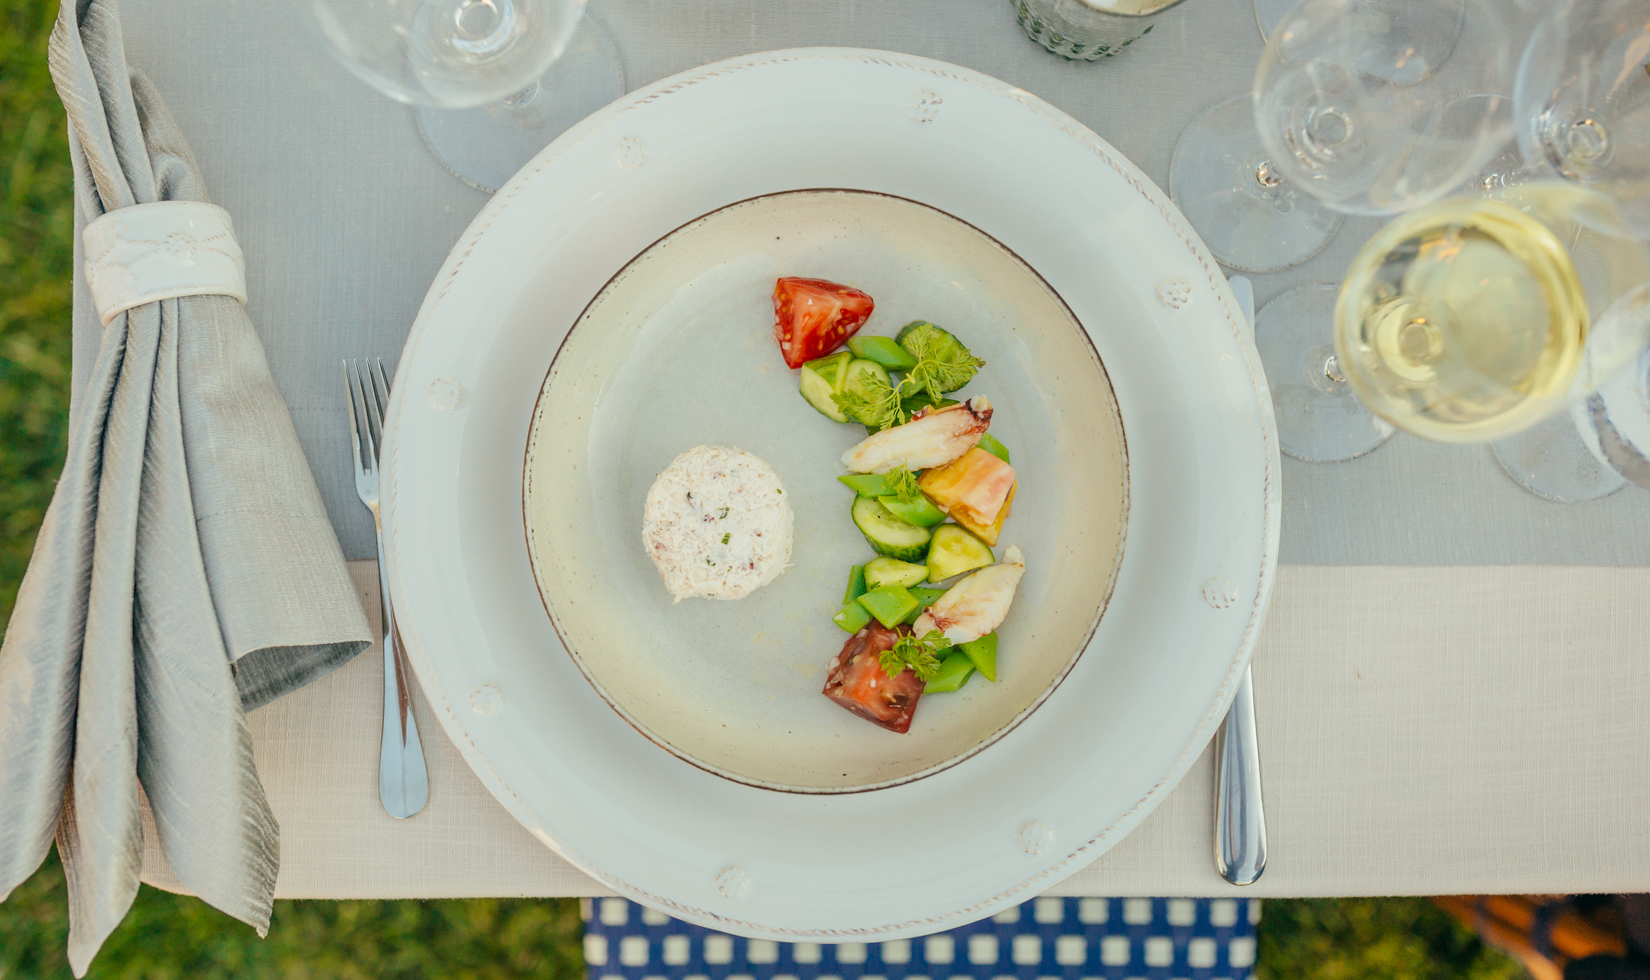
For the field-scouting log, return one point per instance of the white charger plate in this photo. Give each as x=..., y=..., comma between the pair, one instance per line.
x=1006, y=822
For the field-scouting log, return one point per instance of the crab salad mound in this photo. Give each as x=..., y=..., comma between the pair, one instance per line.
x=717, y=524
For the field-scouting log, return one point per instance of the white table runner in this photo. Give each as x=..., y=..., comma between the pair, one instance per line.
x=1459, y=730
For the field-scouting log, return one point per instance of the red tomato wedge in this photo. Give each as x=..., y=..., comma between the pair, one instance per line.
x=812, y=317
x=854, y=679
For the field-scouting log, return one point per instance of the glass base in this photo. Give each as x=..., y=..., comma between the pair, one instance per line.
x=1319, y=418
x=1551, y=459
x=486, y=145
x=1250, y=220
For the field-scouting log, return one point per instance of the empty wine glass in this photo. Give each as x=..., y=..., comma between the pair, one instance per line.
x=1617, y=420
x=494, y=80
x=1583, y=94
x=1603, y=440
x=1378, y=106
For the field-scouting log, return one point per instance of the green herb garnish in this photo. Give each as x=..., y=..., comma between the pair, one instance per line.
x=919, y=654
x=878, y=406
x=901, y=484
x=725, y=537
x=943, y=364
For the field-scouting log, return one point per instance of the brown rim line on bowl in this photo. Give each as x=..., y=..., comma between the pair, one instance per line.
x=675, y=351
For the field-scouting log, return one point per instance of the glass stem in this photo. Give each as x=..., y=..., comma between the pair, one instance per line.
x=484, y=27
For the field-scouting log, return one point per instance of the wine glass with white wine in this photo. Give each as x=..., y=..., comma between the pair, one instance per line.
x=1474, y=319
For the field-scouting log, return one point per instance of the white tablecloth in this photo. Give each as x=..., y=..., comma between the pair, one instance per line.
x=1432, y=718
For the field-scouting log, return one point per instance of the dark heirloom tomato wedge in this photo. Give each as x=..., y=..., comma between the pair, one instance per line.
x=855, y=680
x=812, y=317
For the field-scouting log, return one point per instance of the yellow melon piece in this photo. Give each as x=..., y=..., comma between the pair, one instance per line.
x=971, y=488
x=989, y=533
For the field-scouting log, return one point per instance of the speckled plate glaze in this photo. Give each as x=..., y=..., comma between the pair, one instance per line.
x=1044, y=798
x=734, y=687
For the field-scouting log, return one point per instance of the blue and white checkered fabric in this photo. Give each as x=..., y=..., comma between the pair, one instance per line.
x=1044, y=939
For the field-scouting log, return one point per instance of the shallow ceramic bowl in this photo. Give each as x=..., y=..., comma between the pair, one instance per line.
x=677, y=351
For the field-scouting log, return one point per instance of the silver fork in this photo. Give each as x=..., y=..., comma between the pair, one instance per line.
x=403, y=782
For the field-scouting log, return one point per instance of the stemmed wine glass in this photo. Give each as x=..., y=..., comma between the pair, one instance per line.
x=494, y=80
x=1365, y=107
x=1617, y=418
x=1583, y=94
x=1583, y=101
x=1475, y=318
x=1598, y=444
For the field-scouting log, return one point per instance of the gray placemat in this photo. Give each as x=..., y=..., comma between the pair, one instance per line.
x=345, y=217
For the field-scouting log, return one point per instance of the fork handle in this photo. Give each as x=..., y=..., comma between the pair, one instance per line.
x=403, y=781
x=1240, y=820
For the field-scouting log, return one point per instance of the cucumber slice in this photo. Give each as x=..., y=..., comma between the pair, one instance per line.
x=983, y=654
x=889, y=604
x=889, y=571
x=859, y=372
x=920, y=512
x=882, y=350
x=823, y=377
x=866, y=484
x=955, y=551
x=925, y=598
x=856, y=583
x=888, y=534
x=851, y=617
x=989, y=443
x=954, y=673
x=905, y=331
x=938, y=343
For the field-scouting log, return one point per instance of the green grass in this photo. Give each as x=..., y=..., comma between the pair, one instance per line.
x=35, y=278
x=1355, y=939
x=169, y=936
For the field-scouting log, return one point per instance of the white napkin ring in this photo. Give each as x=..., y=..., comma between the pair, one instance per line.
x=150, y=252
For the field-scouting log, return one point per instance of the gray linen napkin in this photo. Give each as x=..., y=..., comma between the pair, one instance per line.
x=185, y=572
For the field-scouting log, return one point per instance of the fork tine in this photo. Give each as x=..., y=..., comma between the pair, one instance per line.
x=354, y=420
x=369, y=437
x=381, y=391
x=381, y=384
x=375, y=414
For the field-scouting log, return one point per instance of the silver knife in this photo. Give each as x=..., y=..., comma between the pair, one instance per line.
x=1240, y=819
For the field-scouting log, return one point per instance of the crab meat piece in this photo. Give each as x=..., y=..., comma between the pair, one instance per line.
x=976, y=605
x=932, y=438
